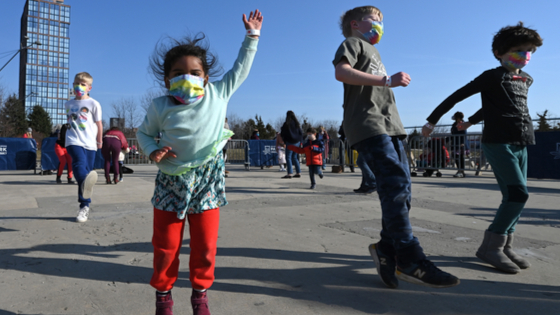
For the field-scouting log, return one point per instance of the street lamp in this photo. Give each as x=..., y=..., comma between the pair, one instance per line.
x=22, y=48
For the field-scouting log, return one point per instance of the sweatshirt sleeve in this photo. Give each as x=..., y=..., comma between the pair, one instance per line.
x=320, y=147
x=475, y=86
x=234, y=77
x=149, y=130
x=477, y=117
x=296, y=149
x=124, y=143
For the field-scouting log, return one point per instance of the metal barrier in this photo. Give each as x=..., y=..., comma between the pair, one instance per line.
x=238, y=152
x=428, y=155
x=135, y=156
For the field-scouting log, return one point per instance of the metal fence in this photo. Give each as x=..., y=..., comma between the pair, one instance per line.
x=429, y=155
x=237, y=152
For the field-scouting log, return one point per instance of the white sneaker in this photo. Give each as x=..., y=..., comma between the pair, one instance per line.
x=83, y=214
x=87, y=185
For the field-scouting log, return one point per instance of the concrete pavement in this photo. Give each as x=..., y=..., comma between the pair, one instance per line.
x=283, y=249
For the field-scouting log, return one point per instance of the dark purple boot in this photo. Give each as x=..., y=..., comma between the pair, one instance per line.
x=164, y=304
x=199, y=302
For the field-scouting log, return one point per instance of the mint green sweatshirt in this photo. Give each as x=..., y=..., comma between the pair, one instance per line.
x=195, y=132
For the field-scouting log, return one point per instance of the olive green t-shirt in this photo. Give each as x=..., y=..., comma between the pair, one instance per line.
x=369, y=111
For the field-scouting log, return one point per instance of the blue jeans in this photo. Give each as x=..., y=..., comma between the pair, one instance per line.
x=368, y=179
x=82, y=164
x=386, y=157
x=292, y=158
x=314, y=169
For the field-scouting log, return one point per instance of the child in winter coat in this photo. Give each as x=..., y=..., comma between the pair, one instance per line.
x=313, y=150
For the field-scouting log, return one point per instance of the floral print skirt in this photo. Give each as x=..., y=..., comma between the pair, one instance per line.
x=200, y=189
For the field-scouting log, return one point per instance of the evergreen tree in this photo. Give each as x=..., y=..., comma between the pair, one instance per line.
x=543, y=124
x=12, y=118
x=40, y=121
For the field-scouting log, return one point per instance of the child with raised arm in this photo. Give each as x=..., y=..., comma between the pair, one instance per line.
x=83, y=139
x=313, y=150
x=508, y=130
x=183, y=132
x=373, y=128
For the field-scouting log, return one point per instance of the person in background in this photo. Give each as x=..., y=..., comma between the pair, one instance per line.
x=281, y=149
x=459, y=145
x=114, y=142
x=122, y=156
x=255, y=135
x=324, y=136
x=63, y=156
x=28, y=134
x=312, y=148
x=292, y=134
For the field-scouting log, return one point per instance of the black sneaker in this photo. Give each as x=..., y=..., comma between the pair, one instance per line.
x=321, y=176
x=385, y=265
x=365, y=190
x=424, y=272
x=312, y=186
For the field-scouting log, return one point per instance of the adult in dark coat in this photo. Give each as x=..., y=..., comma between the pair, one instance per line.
x=292, y=134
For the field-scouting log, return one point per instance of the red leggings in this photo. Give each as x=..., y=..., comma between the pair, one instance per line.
x=64, y=158
x=167, y=241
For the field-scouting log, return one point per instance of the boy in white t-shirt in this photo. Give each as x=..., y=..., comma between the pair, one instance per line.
x=83, y=139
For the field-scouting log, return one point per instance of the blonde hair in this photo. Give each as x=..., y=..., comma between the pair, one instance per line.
x=356, y=14
x=84, y=76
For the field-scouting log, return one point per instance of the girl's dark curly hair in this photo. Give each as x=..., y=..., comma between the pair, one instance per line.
x=511, y=36
x=290, y=116
x=169, y=50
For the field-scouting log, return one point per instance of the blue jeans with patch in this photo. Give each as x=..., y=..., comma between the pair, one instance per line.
x=368, y=178
x=82, y=164
x=387, y=159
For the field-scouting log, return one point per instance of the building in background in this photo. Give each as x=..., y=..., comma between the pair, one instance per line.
x=43, y=73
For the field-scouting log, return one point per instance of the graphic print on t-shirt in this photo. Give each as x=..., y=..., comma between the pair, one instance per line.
x=377, y=68
x=78, y=118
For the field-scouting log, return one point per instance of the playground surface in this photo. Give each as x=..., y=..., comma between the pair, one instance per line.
x=283, y=249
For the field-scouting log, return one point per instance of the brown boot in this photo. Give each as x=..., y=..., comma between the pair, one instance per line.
x=492, y=252
x=518, y=260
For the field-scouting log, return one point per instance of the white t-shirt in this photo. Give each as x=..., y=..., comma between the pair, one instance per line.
x=82, y=116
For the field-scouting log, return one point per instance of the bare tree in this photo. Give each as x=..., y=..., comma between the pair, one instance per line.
x=146, y=98
x=126, y=108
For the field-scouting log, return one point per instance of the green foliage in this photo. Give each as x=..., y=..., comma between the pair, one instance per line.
x=12, y=117
x=543, y=124
x=40, y=121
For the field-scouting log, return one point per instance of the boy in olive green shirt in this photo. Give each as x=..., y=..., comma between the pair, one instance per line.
x=373, y=128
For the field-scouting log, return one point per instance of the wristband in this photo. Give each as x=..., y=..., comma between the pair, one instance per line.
x=429, y=126
x=388, y=81
x=253, y=32
x=99, y=142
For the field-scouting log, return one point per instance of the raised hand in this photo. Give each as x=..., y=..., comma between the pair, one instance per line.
x=161, y=154
x=400, y=79
x=254, y=22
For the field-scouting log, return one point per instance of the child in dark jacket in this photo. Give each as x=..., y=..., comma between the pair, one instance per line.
x=313, y=150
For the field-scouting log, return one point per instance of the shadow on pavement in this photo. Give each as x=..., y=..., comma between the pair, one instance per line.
x=327, y=278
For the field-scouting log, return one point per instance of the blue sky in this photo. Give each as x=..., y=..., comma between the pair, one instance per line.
x=442, y=44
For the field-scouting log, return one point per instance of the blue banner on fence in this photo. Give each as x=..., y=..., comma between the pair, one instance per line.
x=544, y=158
x=263, y=152
x=49, y=159
x=17, y=154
